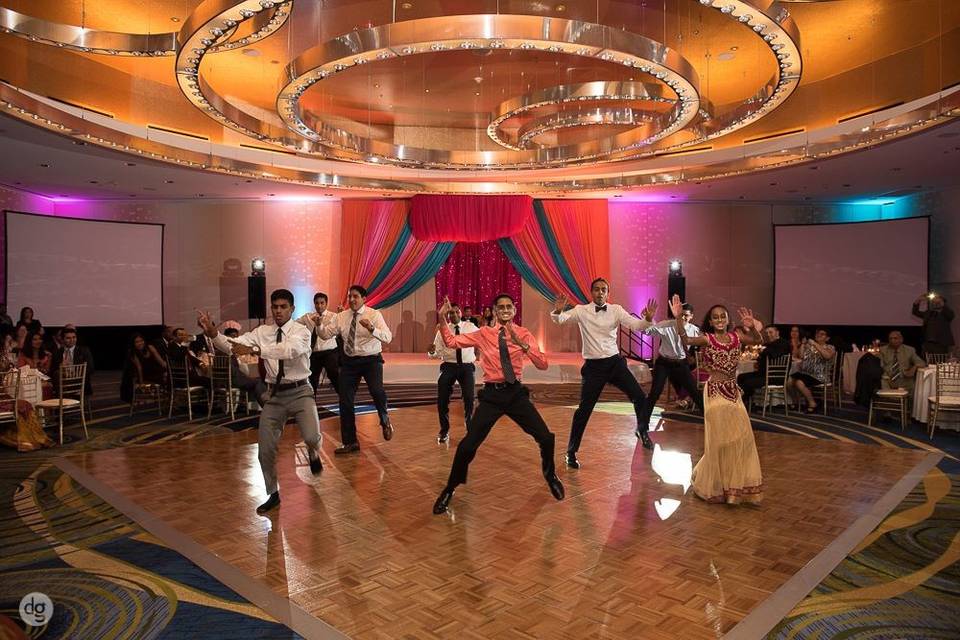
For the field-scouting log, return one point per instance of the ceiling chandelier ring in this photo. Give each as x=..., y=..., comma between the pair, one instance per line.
x=599, y=116
x=771, y=21
x=495, y=32
x=198, y=37
x=116, y=43
x=595, y=91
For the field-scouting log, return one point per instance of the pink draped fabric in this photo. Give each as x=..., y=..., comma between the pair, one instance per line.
x=476, y=272
x=444, y=218
x=368, y=230
x=532, y=247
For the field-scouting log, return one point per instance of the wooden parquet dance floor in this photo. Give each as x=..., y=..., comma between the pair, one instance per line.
x=626, y=555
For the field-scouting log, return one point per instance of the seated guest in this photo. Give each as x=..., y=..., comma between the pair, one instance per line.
x=27, y=320
x=34, y=355
x=9, y=354
x=900, y=363
x=487, y=319
x=816, y=355
x=165, y=341
x=5, y=320
x=202, y=343
x=21, y=337
x=69, y=354
x=253, y=386
x=774, y=347
x=25, y=433
x=796, y=342
x=143, y=366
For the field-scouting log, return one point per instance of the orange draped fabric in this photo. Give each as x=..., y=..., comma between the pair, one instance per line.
x=367, y=234
x=582, y=231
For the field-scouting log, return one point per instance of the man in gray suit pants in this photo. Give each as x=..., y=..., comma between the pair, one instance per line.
x=284, y=348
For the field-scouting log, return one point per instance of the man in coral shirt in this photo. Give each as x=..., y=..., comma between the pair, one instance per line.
x=502, y=349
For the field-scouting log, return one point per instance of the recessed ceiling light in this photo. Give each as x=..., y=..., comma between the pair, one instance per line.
x=406, y=5
x=79, y=143
x=130, y=164
x=248, y=181
x=271, y=194
x=174, y=19
x=44, y=165
x=560, y=8
x=168, y=181
x=93, y=181
x=846, y=185
x=329, y=195
x=734, y=48
x=274, y=62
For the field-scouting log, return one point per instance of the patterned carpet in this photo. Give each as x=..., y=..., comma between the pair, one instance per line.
x=111, y=579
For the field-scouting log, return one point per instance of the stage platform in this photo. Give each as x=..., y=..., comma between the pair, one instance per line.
x=356, y=551
x=564, y=367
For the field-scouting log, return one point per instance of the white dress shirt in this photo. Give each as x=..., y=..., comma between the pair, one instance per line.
x=319, y=344
x=441, y=350
x=367, y=343
x=670, y=344
x=293, y=349
x=599, y=329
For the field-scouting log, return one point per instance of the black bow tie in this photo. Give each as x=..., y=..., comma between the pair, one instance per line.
x=599, y=308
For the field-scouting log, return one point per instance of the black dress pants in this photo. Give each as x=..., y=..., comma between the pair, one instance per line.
x=678, y=372
x=352, y=368
x=463, y=374
x=596, y=374
x=328, y=361
x=510, y=400
x=749, y=383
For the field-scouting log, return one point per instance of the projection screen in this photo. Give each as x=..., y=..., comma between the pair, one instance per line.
x=84, y=272
x=863, y=273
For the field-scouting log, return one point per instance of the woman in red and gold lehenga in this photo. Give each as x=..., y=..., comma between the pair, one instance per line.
x=24, y=433
x=729, y=470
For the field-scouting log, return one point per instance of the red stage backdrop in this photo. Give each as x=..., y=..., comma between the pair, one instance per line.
x=475, y=272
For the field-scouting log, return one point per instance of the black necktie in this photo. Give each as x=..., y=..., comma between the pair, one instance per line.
x=508, y=375
x=280, y=366
x=599, y=308
x=456, y=330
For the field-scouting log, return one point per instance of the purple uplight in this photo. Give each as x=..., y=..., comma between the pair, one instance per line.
x=649, y=197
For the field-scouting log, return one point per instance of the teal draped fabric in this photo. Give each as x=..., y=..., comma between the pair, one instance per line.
x=554, y=248
x=510, y=249
x=427, y=270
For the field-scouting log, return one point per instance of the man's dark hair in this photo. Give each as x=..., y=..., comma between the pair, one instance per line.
x=282, y=294
x=503, y=295
x=359, y=289
x=596, y=280
x=454, y=305
x=688, y=307
x=67, y=330
x=231, y=332
x=177, y=329
x=824, y=329
x=320, y=296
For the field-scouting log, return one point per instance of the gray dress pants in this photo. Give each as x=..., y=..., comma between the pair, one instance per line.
x=296, y=403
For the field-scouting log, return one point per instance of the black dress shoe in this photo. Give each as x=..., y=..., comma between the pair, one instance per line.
x=442, y=437
x=645, y=439
x=315, y=465
x=572, y=461
x=387, y=430
x=443, y=501
x=556, y=487
x=353, y=447
x=272, y=502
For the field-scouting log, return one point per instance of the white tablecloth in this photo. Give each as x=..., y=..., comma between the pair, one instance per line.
x=926, y=386
x=746, y=366
x=849, y=371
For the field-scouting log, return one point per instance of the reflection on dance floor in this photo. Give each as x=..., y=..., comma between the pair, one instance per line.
x=630, y=553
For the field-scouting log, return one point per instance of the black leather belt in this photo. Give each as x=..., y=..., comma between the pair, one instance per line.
x=286, y=386
x=501, y=385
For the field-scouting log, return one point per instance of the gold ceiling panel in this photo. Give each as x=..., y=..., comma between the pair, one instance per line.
x=750, y=69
